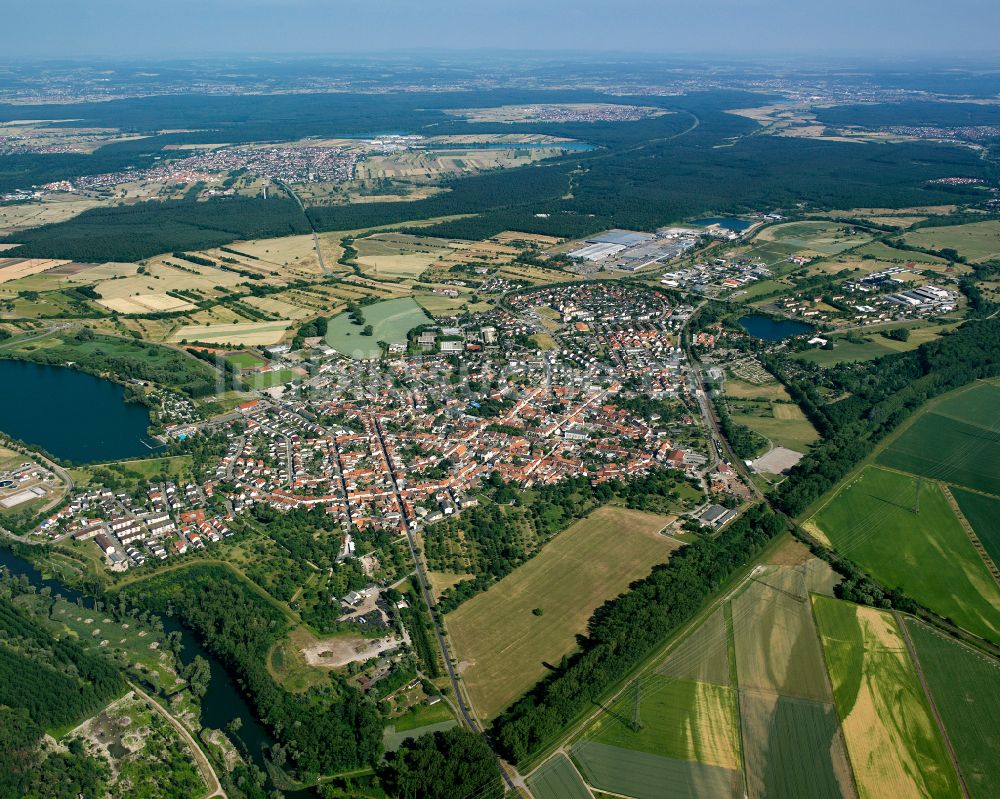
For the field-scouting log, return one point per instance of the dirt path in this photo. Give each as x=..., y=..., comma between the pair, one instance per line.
x=204, y=766
x=901, y=622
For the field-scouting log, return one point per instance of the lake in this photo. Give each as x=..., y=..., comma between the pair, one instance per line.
x=73, y=415
x=769, y=329
x=728, y=222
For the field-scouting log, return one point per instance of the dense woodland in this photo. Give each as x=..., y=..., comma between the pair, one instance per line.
x=643, y=175
x=55, y=680
x=444, y=765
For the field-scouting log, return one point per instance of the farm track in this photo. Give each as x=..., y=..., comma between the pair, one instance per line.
x=911, y=649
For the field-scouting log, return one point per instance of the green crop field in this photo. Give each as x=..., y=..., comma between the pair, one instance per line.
x=894, y=744
x=702, y=654
x=793, y=748
x=391, y=320
x=503, y=645
x=679, y=719
x=903, y=531
x=776, y=645
x=947, y=449
x=644, y=776
x=557, y=779
x=957, y=442
x=982, y=513
x=965, y=685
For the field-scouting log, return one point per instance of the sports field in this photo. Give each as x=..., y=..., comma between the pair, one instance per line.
x=894, y=745
x=902, y=530
x=245, y=360
x=557, y=779
x=502, y=645
x=956, y=442
x=391, y=320
x=965, y=685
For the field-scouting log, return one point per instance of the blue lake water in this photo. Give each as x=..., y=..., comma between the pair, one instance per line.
x=768, y=329
x=728, y=222
x=73, y=415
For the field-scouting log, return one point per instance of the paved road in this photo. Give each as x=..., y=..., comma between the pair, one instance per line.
x=467, y=716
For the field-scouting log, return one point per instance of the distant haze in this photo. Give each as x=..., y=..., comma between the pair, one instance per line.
x=152, y=28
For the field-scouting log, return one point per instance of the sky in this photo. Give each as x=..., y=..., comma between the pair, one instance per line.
x=153, y=28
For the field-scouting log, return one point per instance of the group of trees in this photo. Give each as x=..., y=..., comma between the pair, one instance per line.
x=444, y=765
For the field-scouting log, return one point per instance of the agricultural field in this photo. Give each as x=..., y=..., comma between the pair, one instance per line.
x=892, y=739
x=391, y=320
x=983, y=513
x=398, y=255
x=902, y=530
x=978, y=241
x=557, y=779
x=957, y=441
x=503, y=645
x=965, y=686
x=643, y=775
x=793, y=748
x=679, y=719
x=245, y=334
x=776, y=646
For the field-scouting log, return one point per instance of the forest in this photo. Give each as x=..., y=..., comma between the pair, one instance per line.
x=142, y=230
x=55, y=680
x=625, y=630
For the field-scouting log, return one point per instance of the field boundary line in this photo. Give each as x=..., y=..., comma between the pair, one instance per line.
x=912, y=651
x=971, y=533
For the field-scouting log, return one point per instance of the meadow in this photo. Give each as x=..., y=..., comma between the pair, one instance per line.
x=978, y=241
x=893, y=742
x=391, y=320
x=503, y=645
x=821, y=237
x=965, y=685
x=903, y=531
